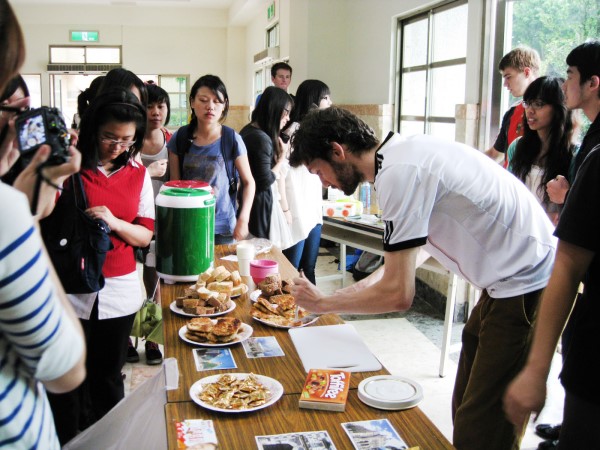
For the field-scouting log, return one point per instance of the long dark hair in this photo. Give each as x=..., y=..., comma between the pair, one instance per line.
x=85, y=97
x=124, y=78
x=560, y=136
x=308, y=96
x=218, y=88
x=268, y=112
x=114, y=105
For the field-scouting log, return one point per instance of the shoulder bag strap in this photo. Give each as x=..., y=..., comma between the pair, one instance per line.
x=183, y=144
x=79, y=191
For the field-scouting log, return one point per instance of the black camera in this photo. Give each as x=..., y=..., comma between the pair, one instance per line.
x=37, y=127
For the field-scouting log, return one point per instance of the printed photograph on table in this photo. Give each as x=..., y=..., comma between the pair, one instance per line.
x=196, y=433
x=213, y=359
x=262, y=347
x=374, y=434
x=313, y=440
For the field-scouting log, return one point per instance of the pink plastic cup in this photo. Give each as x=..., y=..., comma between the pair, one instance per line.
x=260, y=268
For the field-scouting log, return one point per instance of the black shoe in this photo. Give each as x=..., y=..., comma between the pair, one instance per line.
x=547, y=431
x=550, y=444
x=153, y=354
x=132, y=354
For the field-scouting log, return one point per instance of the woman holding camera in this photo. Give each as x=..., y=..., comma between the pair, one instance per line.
x=119, y=191
x=40, y=336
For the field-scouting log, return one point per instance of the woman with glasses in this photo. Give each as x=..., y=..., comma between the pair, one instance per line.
x=119, y=191
x=547, y=146
x=268, y=163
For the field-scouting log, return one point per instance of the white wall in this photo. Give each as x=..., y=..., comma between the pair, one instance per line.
x=349, y=44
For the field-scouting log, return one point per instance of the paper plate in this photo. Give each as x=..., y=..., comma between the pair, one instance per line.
x=244, y=333
x=390, y=392
x=255, y=294
x=177, y=310
x=271, y=384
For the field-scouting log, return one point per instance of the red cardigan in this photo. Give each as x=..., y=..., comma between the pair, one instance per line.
x=121, y=193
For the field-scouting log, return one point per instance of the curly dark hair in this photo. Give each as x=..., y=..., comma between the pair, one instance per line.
x=321, y=127
x=560, y=138
x=114, y=105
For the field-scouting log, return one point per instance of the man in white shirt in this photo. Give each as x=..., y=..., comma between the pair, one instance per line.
x=471, y=215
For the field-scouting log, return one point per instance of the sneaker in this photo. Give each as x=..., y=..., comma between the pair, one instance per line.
x=153, y=354
x=132, y=354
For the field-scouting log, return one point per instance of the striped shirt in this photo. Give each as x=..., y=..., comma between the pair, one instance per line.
x=37, y=340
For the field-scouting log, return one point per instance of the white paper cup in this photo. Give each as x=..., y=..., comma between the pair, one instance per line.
x=245, y=254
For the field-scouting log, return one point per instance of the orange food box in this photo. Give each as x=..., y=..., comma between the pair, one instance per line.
x=325, y=389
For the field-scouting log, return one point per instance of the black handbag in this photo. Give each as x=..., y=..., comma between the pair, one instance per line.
x=76, y=243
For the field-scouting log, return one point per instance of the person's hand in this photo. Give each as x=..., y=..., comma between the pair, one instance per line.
x=307, y=295
x=241, y=230
x=102, y=212
x=525, y=394
x=52, y=176
x=557, y=189
x=158, y=168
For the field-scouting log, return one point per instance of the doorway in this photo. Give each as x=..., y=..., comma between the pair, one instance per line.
x=64, y=90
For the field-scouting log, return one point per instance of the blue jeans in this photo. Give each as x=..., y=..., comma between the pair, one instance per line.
x=304, y=254
x=222, y=239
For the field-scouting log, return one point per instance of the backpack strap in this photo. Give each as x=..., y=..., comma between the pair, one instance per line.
x=229, y=148
x=183, y=142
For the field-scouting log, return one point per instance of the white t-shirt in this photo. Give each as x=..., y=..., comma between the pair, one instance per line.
x=304, y=193
x=474, y=217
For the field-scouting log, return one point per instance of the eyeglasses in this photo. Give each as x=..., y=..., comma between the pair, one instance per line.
x=534, y=104
x=7, y=112
x=114, y=143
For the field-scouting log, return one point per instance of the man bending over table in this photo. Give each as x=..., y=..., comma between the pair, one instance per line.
x=475, y=218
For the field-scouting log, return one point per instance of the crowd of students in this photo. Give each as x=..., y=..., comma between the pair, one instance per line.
x=267, y=181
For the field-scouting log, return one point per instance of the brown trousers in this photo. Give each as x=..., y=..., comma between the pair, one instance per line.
x=495, y=343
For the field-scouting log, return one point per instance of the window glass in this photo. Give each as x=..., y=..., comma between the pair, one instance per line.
x=448, y=83
x=433, y=69
x=414, y=45
x=67, y=55
x=414, y=93
x=103, y=55
x=450, y=34
x=410, y=127
x=177, y=88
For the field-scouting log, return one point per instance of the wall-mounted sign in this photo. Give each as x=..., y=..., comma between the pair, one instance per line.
x=271, y=11
x=85, y=36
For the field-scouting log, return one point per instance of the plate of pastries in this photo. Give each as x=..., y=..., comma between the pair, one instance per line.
x=211, y=295
x=274, y=305
x=236, y=392
x=219, y=332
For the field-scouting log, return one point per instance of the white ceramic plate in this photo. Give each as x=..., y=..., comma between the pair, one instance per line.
x=255, y=294
x=305, y=322
x=271, y=384
x=244, y=290
x=173, y=306
x=244, y=333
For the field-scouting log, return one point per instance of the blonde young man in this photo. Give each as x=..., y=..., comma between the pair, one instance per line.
x=519, y=68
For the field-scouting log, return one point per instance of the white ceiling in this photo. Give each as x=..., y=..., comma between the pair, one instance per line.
x=212, y=4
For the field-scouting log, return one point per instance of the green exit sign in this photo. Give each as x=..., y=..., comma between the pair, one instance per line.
x=271, y=11
x=84, y=36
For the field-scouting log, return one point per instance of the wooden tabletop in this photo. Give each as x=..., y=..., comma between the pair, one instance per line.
x=288, y=369
x=238, y=430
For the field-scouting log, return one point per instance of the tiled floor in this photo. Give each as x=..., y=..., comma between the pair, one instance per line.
x=416, y=335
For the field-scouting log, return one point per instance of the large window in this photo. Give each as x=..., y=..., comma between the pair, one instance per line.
x=177, y=88
x=433, y=49
x=84, y=54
